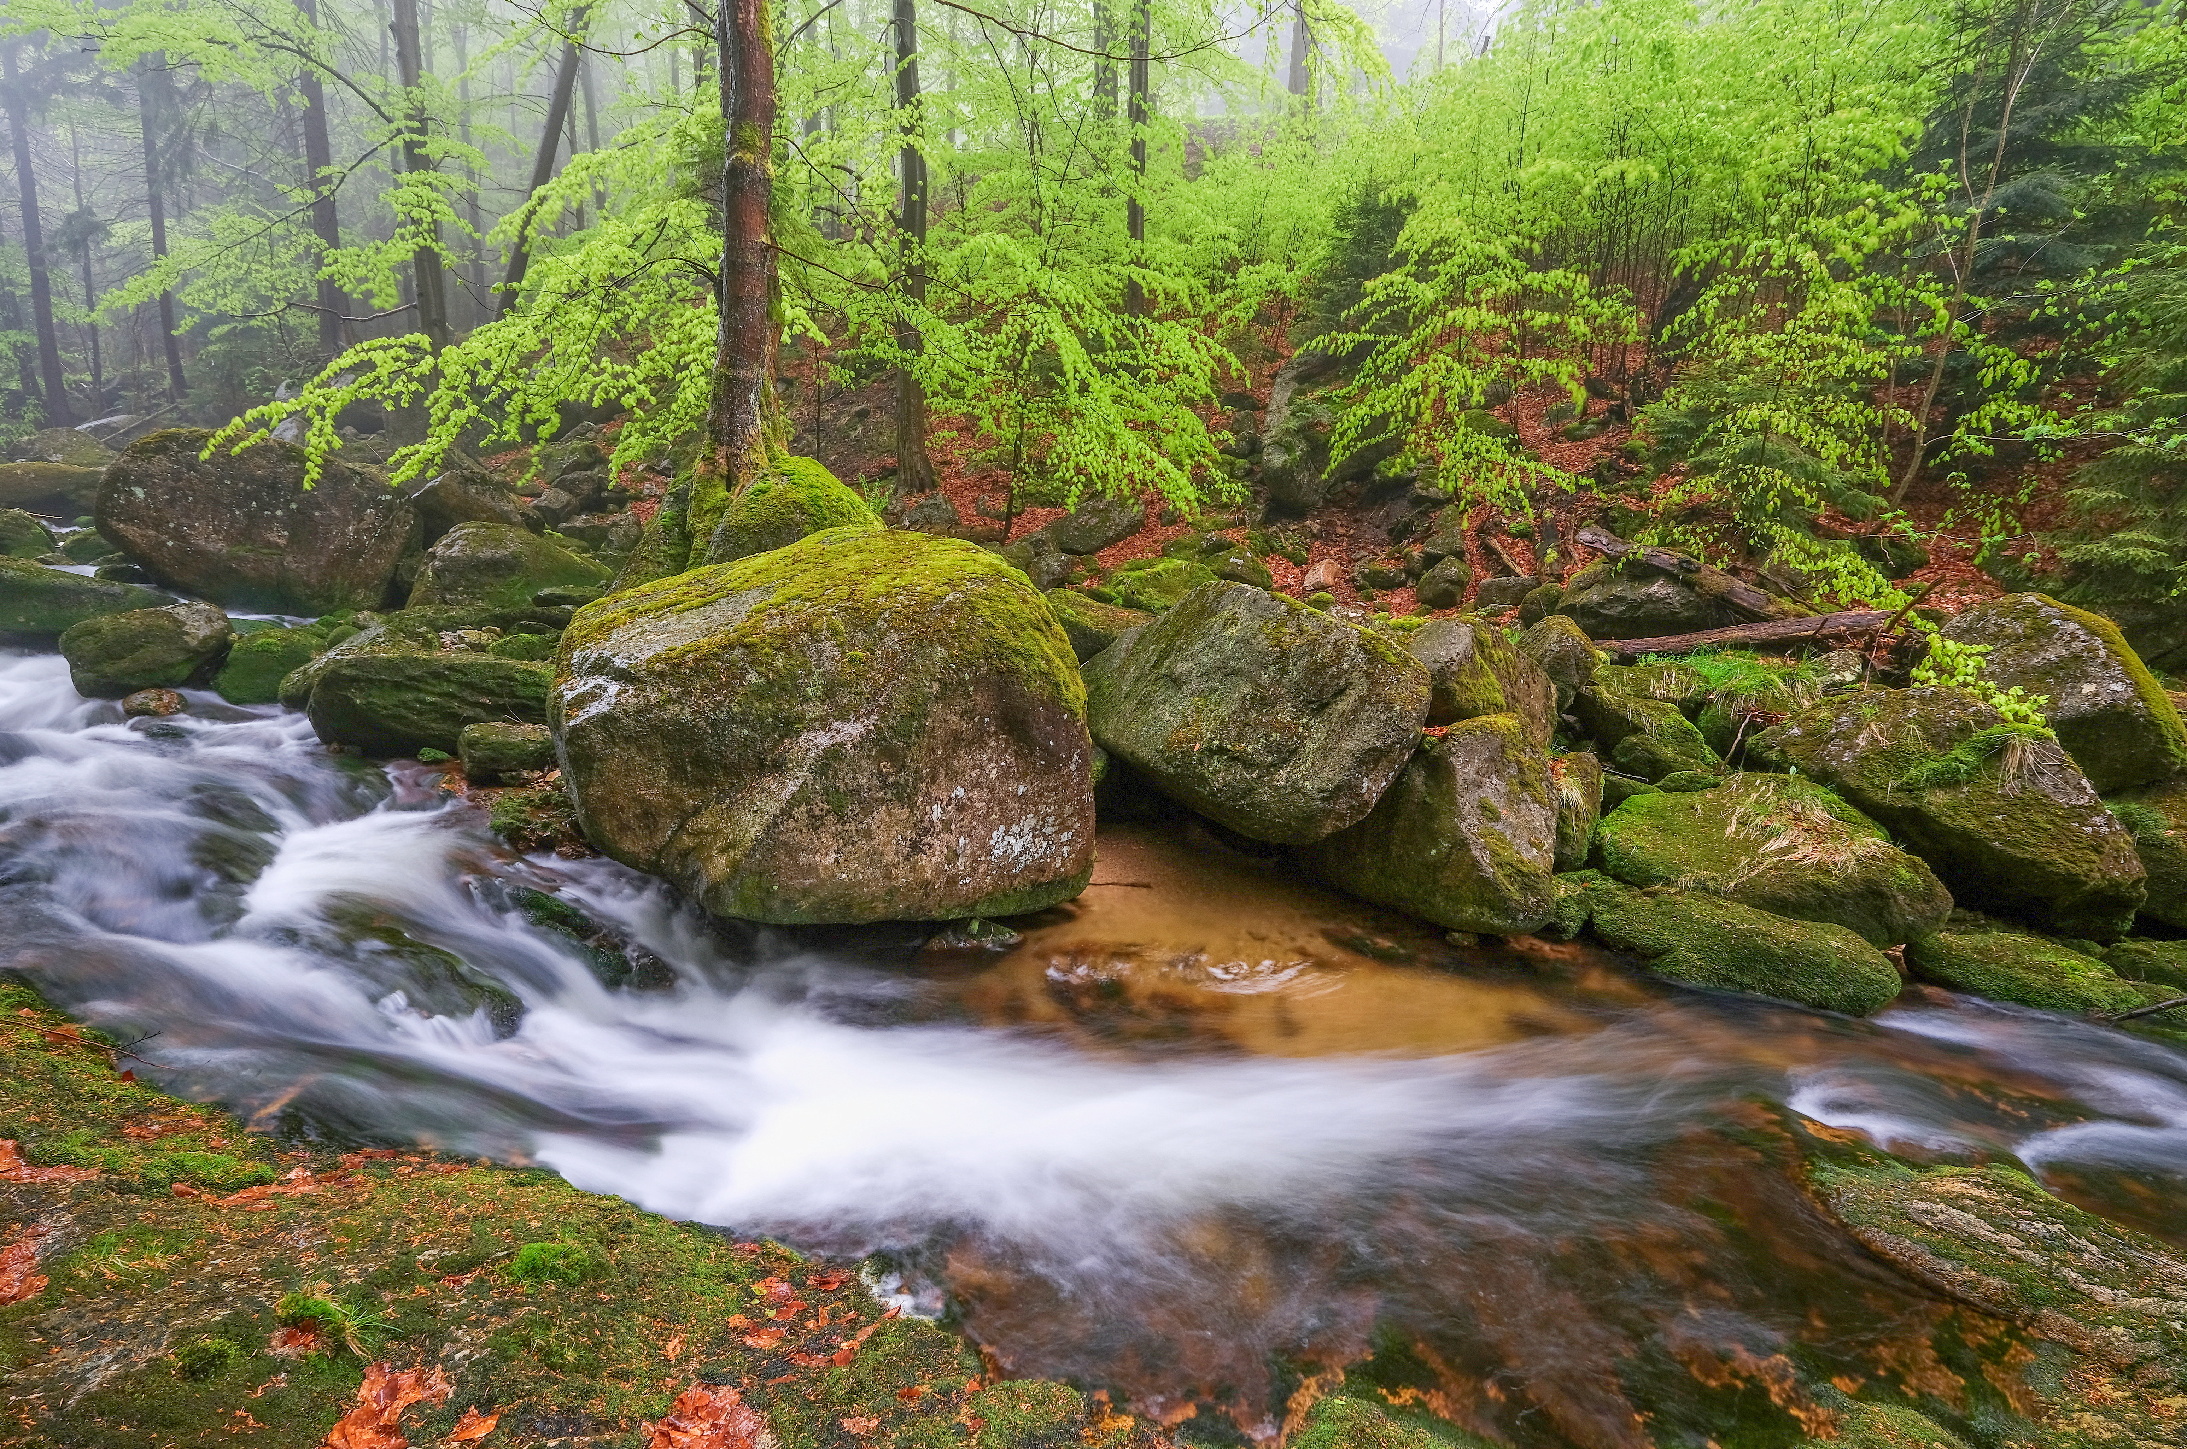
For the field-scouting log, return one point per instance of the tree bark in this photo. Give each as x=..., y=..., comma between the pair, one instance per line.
x=53, y=383
x=326, y=221
x=1135, y=210
x=914, y=467
x=744, y=356
x=1104, y=75
x=429, y=277
x=1302, y=43
x=550, y=137
x=475, y=269
x=151, y=75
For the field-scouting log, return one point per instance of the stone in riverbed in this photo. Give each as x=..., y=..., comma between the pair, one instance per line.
x=2156, y=817
x=498, y=565
x=491, y=751
x=258, y=661
x=2000, y=813
x=1278, y=721
x=242, y=530
x=42, y=603
x=2107, y=710
x=153, y=704
x=1779, y=844
x=2005, y=966
x=118, y=654
x=22, y=483
x=395, y=704
x=1465, y=837
x=863, y=726
x=23, y=535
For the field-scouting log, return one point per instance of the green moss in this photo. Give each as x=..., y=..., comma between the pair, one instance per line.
x=1345, y=1421
x=799, y=498
x=1970, y=759
x=2161, y=962
x=1156, y=584
x=2146, y=823
x=1702, y=940
x=258, y=661
x=1091, y=625
x=2029, y=970
x=566, y=1263
x=45, y=602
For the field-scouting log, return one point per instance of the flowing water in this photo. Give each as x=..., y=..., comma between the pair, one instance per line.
x=1205, y=1135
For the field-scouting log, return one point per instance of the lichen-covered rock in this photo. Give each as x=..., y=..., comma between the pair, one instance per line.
x=1779, y=844
x=43, y=603
x=1475, y=669
x=1443, y=585
x=1578, y=779
x=23, y=535
x=862, y=726
x=1091, y=625
x=1465, y=836
x=1704, y=940
x=2161, y=962
x=1155, y=584
x=22, y=483
x=241, y=529
x=153, y=704
x=1096, y=524
x=460, y=496
x=2003, y=816
x=72, y=446
x=1646, y=737
x=399, y=703
x=2110, y=714
x=1565, y=654
x=258, y=661
x=1271, y=718
x=1239, y=566
x=497, y=565
x=2156, y=817
x=1630, y=600
x=118, y=654
x=777, y=509
x=2005, y=966
x=490, y=751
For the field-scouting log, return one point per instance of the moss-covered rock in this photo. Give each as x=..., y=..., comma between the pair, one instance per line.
x=1704, y=940
x=258, y=661
x=1280, y=722
x=2156, y=817
x=1155, y=584
x=23, y=535
x=801, y=497
x=48, y=483
x=1091, y=625
x=2107, y=710
x=2005, y=966
x=118, y=654
x=862, y=726
x=1096, y=523
x=72, y=446
x=490, y=751
x=241, y=529
x=43, y=603
x=2002, y=815
x=1343, y=1421
x=460, y=496
x=1565, y=654
x=1630, y=600
x=1642, y=736
x=399, y=703
x=1464, y=837
x=1782, y=845
x=1476, y=669
x=1578, y=778
x=2163, y=963
x=497, y=565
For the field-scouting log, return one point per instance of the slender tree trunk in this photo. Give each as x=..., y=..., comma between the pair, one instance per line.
x=475, y=270
x=914, y=468
x=83, y=261
x=11, y=318
x=550, y=137
x=326, y=221
x=55, y=386
x=569, y=137
x=151, y=75
x=1135, y=211
x=744, y=361
x=1302, y=45
x=430, y=279
x=1104, y=75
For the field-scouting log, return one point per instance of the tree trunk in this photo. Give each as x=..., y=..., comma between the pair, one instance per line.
x=1135, y=210
x=151, y=89
x=914, y=468
x=54, y=384
x=475, y=269
x=1104, y=75
x=550, y=137
x=326, y=222
x=429, y=278
x=744, y=359
x=1302, y=44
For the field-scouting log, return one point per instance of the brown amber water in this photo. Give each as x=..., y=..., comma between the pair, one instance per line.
x=1212, y=1139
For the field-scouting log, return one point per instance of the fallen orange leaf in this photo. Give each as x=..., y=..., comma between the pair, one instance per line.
x=765, y=1338
x=19, y=1275
x=381, y=1398
x=861, y=1425
x=14, y=1169
x=672, y=1349
x=473, y=1425
x=295, y=1342
x=705, y=1417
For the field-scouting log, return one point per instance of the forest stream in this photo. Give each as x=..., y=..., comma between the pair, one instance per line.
x=1205, y=1131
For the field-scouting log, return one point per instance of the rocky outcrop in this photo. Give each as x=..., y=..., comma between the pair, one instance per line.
x=1280, y=722
x=1464, y=837
x=801, y=497
x=41, y=603
x=493, y=752
x=1091, y=625
x=2156, y=817
x=863, y=726
x=1295, y=457
x=48, y=483
x=498, y=565
x=1628, y=599
x=2005, y=966
x=2111, y=716
x=2000, y=812
x=1097, y=523
x=241, y=529
x=462, y=496
x=1565, y=654
x=1779, y=844
x=118, y=654
x=23, y=535
x=1475, y=669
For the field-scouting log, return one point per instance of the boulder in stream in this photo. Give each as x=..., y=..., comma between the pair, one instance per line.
x=2007, y=966
x=1283, y=723
x=416, y=678
x=498, y=565
x=2000, y=812
x=118, y=654
x=258, y=661
x=24, y=535
x=48, y=483
x=1643, y=735
x=863, y=726
x=41, y=603
x=492, y=751
x=241, y=529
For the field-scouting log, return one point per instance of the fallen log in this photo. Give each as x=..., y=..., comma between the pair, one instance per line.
x=1714, y=582
x=1816, y=629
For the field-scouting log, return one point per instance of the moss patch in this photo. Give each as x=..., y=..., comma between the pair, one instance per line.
x=2029, y=970
x=799, y=498
x=1702, y=940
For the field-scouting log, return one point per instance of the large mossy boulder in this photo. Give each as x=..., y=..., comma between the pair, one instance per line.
x=241, y=528
x=1779, y=844
x=1630, y=600
x=72, y=446
x=258, y=661
x=2156, y=817
x=1705, y=940
x=1091, y=625
x=118, y=654
x=1565, y=654
x=2006, y=966
x=798, y=499
x=2000, y=812
x=1578, y=780
x=863, y=726
x=463, y=495
x=23, y=535
x=1465, y=836
x=1294, y=458
x=1152, y=585
x=22, y=483
x=41, y=603
x=2113, y=718
x=498, y=565
x=1280, y=722
x=1475, y=669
